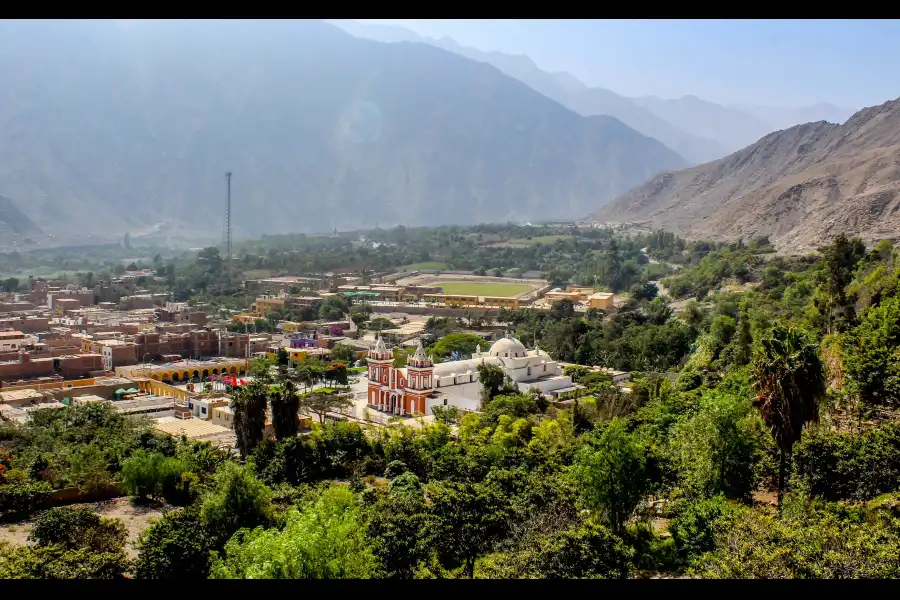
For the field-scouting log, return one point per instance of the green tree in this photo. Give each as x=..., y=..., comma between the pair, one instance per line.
x=322, y=403
x=238, y=499
x=285, y=405
x=789, y=378
x=872, y=355
x=344, y=352
x=716, y=449
x=494, y=382
x=74, y=528
x=611, y=474
x=467, y=520
x=324, y=539
x=249, y=406
x=177, y=546
x=464, y=343
x=397, y=525
x=151, y=475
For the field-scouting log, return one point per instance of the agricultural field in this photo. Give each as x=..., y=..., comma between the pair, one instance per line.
x=480, y=288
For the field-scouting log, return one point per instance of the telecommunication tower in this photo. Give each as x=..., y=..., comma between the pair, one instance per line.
x=228, y=230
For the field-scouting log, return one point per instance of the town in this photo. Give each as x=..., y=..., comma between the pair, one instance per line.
x=63, y=345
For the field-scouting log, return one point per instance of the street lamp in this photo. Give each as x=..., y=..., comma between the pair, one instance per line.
x=144, y=362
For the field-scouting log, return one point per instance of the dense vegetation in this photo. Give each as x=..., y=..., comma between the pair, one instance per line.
x=758, y=438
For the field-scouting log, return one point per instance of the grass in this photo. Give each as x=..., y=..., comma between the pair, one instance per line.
x=475, y=288
x=427, y=266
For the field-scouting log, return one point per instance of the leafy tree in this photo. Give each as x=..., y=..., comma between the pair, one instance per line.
x=152, y=475
x=344, y=353
x=611, y=474
x=812, y=546
x=281, y=357
x=840, y=259
x=789, y=377
x=70, y=544
x=694, y=525
x=872, y=355
x=398, y=526
x=74, y=528
x=324, y=539
x=177, y=546
x=464, y=343
x=715, y=450
x=238, y=499
x=322, y=403
x=586, y=550
x=467, y=520
x=55, y=562
x=494, y=381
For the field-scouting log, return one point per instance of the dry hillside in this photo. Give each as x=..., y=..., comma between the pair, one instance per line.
x=800, y=186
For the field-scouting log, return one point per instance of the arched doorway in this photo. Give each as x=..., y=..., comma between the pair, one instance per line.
x=175, y=378
x=215, y=372
x=205, y=373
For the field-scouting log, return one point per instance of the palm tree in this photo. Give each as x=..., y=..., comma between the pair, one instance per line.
x=285, y=405
x=249, y=406
x=789, y=377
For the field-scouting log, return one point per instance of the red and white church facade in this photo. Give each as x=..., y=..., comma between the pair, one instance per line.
x=399, y=391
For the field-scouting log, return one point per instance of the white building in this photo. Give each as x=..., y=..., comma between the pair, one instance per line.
x=456, y=383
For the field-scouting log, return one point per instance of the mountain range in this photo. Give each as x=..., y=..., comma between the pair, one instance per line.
x=110, y=127
x=800, y=186
x=698, y=130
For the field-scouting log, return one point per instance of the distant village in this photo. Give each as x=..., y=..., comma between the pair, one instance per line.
x=62, y=345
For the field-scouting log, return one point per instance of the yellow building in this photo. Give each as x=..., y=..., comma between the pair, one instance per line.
x=575, y=296
x=500, y=302
x=460, y=301
x=601, y=300
x=245, y=318
x=265, y=305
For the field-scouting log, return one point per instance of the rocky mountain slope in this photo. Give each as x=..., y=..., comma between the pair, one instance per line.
x=16, y=229
x=800, y=186
x=697, y=129
x=108, y=127
x=563, y=88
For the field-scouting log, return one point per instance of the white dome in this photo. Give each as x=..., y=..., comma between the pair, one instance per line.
x=509, y=348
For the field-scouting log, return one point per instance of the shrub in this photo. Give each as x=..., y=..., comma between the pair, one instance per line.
x=836, y=466
x=177, y=546
x=23, y=499
x=693, y=527
x=153, y=475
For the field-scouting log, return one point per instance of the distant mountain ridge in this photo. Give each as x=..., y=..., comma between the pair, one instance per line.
x=107, y=130
x=800, y=186
x=699, y=130
x=16, y=229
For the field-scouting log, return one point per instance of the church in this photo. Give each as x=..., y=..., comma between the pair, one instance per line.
x=421, y=385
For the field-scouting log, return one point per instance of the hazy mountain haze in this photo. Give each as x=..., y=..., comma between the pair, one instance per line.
x=109, y=127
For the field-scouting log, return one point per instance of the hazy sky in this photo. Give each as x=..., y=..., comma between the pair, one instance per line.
x=848, y=63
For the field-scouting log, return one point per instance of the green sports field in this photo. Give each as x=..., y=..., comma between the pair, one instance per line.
x=478, y=288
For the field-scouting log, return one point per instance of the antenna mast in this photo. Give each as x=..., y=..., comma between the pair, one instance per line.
x=228, y=231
